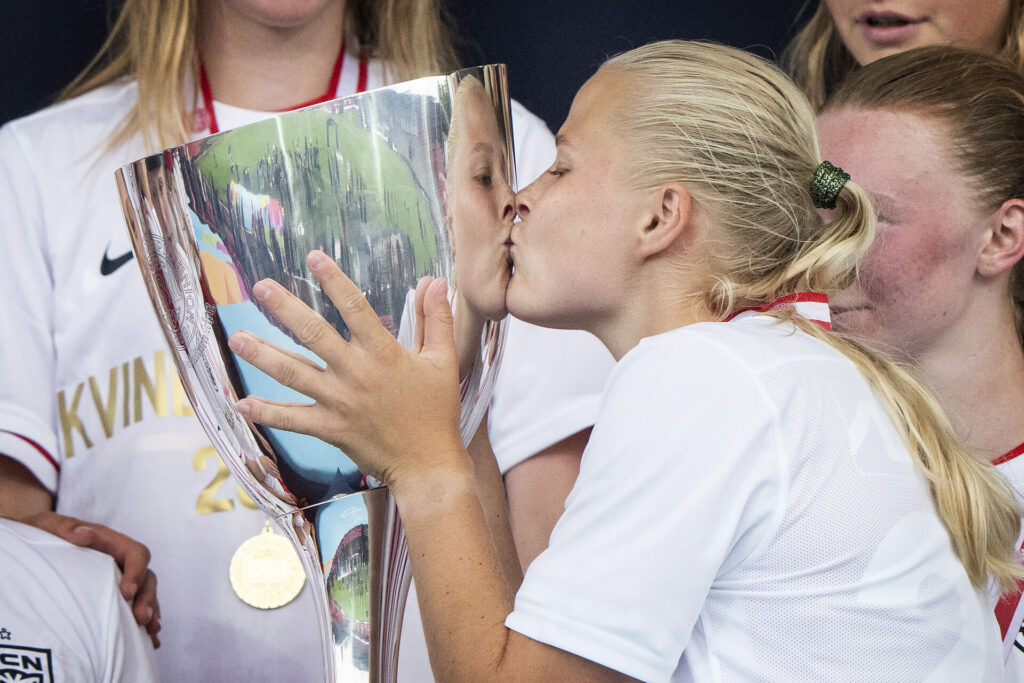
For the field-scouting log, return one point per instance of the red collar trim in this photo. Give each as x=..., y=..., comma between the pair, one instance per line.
x=330, y=94
x=811, y=305
x=1007, y=457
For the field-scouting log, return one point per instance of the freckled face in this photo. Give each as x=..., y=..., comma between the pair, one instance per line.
x=570, y=250
x=872, y=29
x=917, y=280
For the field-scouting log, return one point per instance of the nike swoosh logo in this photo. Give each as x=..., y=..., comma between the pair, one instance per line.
x=109, y=265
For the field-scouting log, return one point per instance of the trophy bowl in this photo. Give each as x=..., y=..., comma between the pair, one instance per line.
x=382, y=181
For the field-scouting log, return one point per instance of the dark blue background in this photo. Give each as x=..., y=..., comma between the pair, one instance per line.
x=551, y=47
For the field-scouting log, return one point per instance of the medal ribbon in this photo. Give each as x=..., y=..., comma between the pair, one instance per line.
x=811, y=305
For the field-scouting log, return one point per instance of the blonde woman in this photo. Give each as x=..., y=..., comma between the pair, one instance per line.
x=844, y=34
x=761, y=498
x=936, y=137
x=95, y=432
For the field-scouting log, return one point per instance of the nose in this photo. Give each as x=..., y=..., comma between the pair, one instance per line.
x=508, y=210
x=522, y=202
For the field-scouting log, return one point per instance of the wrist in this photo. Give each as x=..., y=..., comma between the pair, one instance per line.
x=431, y=488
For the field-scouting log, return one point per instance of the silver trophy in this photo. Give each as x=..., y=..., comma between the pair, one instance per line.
x=392, y=183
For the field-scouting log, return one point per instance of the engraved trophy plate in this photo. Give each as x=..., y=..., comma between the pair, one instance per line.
x=392, y=183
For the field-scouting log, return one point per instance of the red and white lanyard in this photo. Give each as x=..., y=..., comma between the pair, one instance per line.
x=811, y=305
x=1010, y=608
x=207, y=119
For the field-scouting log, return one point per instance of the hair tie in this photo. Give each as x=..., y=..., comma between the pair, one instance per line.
x=826, y=184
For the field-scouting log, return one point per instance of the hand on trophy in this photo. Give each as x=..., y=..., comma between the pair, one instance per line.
x=394, y=411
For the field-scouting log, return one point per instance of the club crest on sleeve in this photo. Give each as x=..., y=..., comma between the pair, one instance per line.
x=25, y=665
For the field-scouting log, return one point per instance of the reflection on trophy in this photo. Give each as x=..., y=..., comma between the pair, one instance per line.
x=395, y=184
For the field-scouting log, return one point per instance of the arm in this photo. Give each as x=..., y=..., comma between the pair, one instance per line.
x=491, y=492
x=24, y=499
x=21, y=494
x=464, y=592
x=537, y=488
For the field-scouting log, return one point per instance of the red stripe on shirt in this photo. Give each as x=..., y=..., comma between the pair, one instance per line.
x=42, y=451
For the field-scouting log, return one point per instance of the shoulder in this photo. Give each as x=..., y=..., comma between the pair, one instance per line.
x=526, y=122
x=98, y=110
x=47, y=553
x=534, y=144
x=716, y=361
x=758, y=343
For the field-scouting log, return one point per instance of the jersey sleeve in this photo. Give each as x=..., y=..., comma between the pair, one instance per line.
x=681, y=482
x=27, y=417
x=548, y=388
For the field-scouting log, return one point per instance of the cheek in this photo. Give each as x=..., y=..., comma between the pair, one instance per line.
x=979, y=25
x=913, y=284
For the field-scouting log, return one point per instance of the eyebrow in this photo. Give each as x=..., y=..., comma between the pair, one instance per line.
x=561, y=140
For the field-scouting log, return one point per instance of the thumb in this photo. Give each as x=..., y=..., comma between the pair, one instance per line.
x=438, y=337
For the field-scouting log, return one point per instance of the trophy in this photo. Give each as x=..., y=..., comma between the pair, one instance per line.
x=391, y=183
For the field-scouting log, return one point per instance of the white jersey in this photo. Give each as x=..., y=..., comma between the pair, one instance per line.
x=548, y=388
x=62, y=617
x=90, y=401
x=746, y=511
x=1010, y=607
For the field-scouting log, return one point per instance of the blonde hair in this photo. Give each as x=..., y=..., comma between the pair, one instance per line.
x=741, y=137
x=818, y=61
x=154, y=42
x=978, y=99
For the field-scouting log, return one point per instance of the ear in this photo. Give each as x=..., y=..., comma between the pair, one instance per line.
x=1005, y=244
x=670, y=215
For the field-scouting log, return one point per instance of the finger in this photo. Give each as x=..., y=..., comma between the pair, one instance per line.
x=292, y=417
x=356, y=311
x=145, y=607
x=438, y=337
x=295, y=355
x=421, y=291
x=301, y=375
x=131, y=556
x=308, y=326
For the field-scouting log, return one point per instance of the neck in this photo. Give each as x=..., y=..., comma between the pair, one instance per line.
x=253, y=65
x=653, y=306
x=977, y=375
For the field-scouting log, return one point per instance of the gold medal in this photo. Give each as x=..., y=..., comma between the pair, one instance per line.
x=265, y=571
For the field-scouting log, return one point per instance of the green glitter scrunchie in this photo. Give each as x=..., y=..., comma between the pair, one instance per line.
x=825, y=186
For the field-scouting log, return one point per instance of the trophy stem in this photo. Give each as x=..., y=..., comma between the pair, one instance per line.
x=358, y=568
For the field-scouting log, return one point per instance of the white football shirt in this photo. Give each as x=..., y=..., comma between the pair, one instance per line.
x=746, y=511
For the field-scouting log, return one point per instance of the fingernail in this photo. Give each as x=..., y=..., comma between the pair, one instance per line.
x=243, y=409
x=261, y=290
x=132, y=590
x=147, y=614
x=238, y=342
x=316, y=260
